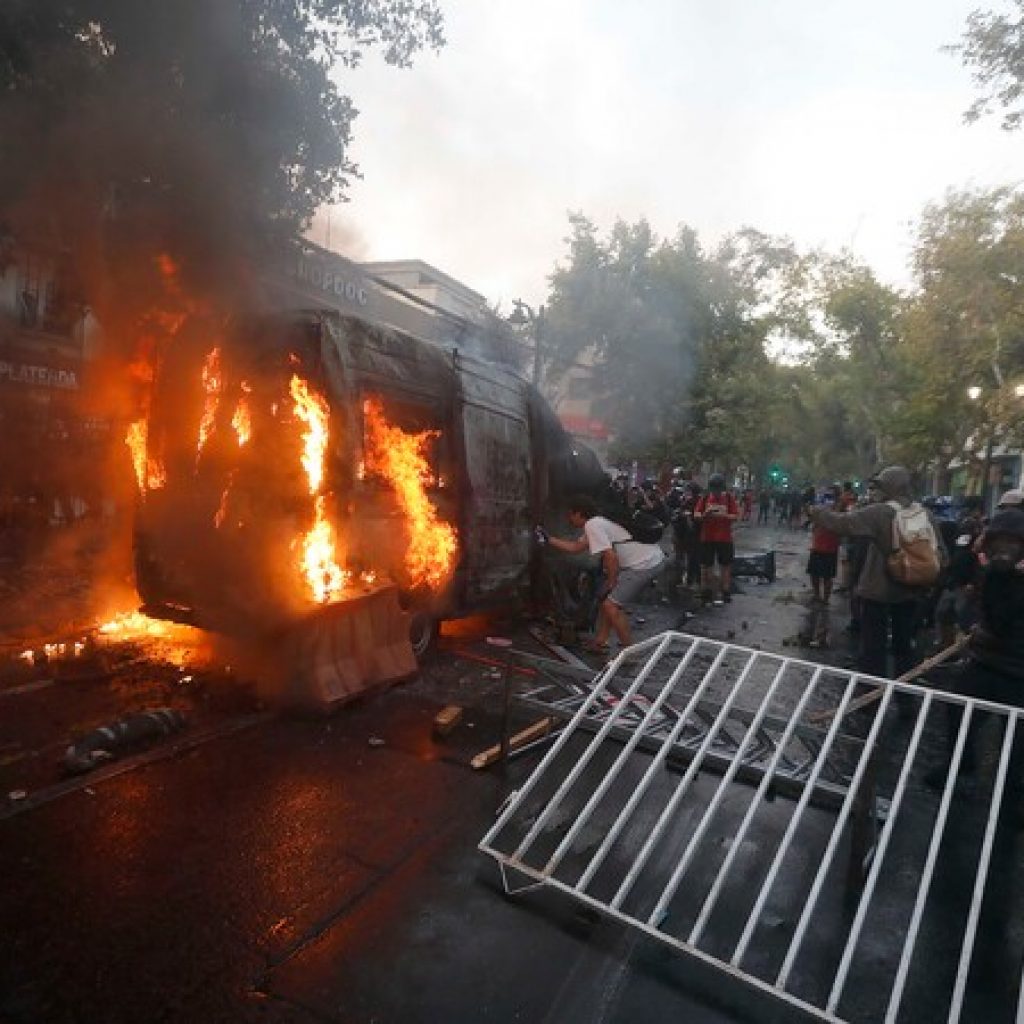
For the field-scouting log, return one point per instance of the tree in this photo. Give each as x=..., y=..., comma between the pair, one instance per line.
x=200, y=130
x=965, y=328
x=862, y=349
x=627, y=303
x=993, y=47
x=676, y=341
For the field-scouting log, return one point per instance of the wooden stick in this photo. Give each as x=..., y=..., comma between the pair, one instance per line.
x=519, y=739
x=460, y=652
x=867, y=699
x=447, y=718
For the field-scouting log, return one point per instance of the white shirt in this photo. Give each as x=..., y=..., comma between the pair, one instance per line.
x=603, y=535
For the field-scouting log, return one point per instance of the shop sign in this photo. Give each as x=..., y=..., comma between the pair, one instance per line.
x=335, y=281
x=36, y=376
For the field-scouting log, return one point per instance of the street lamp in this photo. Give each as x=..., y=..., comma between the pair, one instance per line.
x=996, y=419
x=523, y=315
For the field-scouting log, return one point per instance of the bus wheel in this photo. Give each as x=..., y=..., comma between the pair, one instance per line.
x=423, y=630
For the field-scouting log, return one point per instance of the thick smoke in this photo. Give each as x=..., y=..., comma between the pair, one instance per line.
x=161, y=128
x=158, y=154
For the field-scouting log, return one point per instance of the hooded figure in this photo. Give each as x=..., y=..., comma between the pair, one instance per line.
x=874, y=522
x=886, y=604
x=994, y=667
x=998, y=642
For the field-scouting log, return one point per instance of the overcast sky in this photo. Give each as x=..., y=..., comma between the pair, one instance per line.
x=831, y=121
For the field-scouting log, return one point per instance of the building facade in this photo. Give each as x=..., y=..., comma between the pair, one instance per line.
x=47, y=338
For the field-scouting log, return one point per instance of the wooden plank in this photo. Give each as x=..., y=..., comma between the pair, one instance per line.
x=519, y=739
x=822, y=717
x=446, y=719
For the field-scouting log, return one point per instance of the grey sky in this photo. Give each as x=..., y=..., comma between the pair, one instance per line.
x=832, y=121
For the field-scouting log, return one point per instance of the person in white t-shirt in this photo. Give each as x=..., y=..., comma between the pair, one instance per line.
x=628, y=567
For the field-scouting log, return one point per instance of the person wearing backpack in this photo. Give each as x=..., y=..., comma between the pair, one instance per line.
x=904, y=556
x=628, y=565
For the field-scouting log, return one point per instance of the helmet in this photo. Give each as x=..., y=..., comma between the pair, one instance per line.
x=716, y=482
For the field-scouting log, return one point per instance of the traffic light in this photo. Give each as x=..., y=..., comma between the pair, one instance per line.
x=774, y=473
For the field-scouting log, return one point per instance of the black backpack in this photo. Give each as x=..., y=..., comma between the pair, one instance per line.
x=644, y=526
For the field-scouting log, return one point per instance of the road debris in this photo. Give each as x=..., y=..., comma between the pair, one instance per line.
x=109, y=741
x=446, y=719
x=533, y=732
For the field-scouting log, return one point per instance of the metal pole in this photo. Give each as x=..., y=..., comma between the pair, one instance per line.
x=506, y=683
x=538, y=338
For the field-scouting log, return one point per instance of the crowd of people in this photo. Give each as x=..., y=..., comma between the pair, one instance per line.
x=976, y=590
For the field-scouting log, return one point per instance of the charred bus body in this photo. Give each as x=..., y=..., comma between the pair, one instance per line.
x=220, y=530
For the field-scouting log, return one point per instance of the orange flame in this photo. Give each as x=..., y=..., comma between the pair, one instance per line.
x=172, y=642
x=168, y=268
x=401, y=459
x=242, y=421
x=156, y=475
x=211, y=385
x=312, y=410
x=136, y=441
x=324, y=576
x=222, y=508
x=149, y=470
x=135, y=624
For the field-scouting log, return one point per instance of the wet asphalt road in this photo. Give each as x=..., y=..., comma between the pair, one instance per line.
x=295, y=871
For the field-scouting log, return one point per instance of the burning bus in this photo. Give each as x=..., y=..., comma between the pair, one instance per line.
x=302, y=460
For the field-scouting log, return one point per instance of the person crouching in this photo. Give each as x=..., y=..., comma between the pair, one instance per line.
x=628, y=566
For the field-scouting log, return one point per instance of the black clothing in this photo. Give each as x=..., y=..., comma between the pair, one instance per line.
x=822, y=564
x=876, y=619
x=998, y=642
x=680, y=502
x=721, y=551
x=994, y=668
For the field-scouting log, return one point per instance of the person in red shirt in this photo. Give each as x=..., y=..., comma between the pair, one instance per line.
x=847, y=500
x=821, y=565
x=716, y=511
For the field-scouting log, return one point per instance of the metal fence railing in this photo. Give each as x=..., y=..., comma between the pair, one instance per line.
x=749, y=810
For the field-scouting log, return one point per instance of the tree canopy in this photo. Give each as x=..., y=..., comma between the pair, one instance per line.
x=671, y=330
x=681, y=336
x=203, y=128
x=993, y=48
